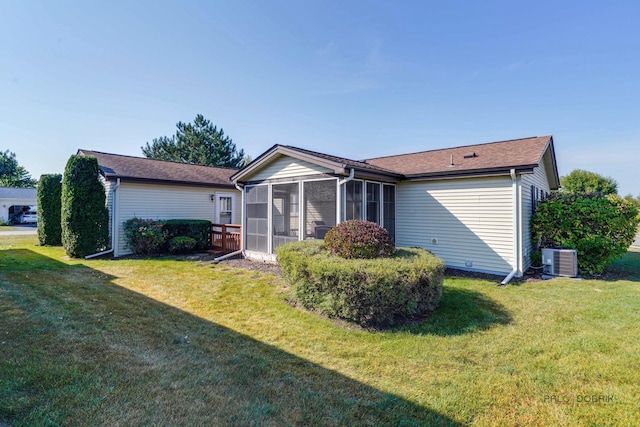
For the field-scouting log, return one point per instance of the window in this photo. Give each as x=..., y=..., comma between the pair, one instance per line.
x=319, y=207
x=373, y=202
x=257, y=202
x=225, y=210
x=535, y=197
x=389, y=209
x=353, y=200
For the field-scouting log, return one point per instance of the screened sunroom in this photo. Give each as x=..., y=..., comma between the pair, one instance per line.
x=289, y=198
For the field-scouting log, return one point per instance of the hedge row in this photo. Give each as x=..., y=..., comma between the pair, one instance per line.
x=371, y=292
x=147, y=236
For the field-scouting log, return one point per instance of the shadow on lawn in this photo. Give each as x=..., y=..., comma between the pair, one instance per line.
x=625, y=268
x=462, y=311
x=82, y=349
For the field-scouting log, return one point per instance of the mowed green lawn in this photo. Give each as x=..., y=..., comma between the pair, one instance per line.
x=178, y=342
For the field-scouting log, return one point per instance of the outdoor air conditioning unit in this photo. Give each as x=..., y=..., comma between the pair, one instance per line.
x=560, y=262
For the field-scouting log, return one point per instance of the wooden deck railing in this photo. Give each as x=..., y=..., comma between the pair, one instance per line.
x=226, y=237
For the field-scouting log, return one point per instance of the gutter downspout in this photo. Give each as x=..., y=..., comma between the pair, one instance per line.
x=339, y=201
x=516, y=235
x=241, y=251
x=349, y=178
x=113, y=225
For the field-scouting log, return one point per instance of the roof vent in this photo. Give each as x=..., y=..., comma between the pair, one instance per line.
x=451, y=164
x=470, y=155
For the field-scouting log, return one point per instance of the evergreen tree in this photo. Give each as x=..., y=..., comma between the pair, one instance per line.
x=85, y=218
x=199, y=143
x=12, y=174
x=49, y=195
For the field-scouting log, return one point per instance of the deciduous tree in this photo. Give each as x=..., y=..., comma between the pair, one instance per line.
x=583, y=181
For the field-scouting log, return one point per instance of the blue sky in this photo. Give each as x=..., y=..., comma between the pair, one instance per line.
x=351, y=78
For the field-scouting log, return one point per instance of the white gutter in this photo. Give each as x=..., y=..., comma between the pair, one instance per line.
x=339, y=200
x=113, y=225
x=349, y=178
x=242, y=227
x=223, y=257
x=516, y=235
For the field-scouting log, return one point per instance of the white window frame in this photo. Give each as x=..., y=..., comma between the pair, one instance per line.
x=218, y=205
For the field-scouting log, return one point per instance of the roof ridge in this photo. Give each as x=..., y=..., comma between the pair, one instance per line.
x=157, y=160
x=457, y=146
x=324, y=154
x=363, y=162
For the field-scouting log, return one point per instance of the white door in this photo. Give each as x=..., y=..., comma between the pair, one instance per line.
x=225, y=208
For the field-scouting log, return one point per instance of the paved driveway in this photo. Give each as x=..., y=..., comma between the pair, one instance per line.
x=18, y=230
x=636, y=243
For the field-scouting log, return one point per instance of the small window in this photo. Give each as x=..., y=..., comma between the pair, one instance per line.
x=225, y=211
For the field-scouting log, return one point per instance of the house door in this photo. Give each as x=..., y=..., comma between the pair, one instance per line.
x=225, y=208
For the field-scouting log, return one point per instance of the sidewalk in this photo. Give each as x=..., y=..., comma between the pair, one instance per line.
x=19, y=230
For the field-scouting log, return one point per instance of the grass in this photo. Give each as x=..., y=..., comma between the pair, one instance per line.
x=167, y=341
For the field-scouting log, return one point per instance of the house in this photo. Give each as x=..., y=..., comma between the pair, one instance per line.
x=469, y=205
x=157, y=189
x=15, y=200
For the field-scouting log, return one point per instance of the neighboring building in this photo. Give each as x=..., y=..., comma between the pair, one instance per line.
x=15, y=200
x=469, y=205
x=156, y=189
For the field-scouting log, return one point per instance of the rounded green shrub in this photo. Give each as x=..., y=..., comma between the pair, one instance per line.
x=370, y=292
x=359, y=239
x=601, y=228
x=198, y=229
x=84, y=215
x=49, y=195
x=144, y=236
x=182, y=244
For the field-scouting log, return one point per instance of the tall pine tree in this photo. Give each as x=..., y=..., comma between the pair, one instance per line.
x=199, y=143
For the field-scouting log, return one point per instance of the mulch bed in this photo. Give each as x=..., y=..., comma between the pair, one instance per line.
x=531, y=275
x=247, y=264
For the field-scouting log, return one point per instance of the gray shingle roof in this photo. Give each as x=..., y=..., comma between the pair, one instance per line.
x=17, y=193
x=143, y=169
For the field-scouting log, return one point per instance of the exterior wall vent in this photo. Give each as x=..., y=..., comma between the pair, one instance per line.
x=560, y=262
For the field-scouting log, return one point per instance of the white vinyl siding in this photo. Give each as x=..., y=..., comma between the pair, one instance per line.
x=151, y=201
x=286, y=167
x=466, y=222
x=108, y=191
x=539, y=180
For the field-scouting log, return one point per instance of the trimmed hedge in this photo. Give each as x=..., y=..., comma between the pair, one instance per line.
x=49, y=194
x=378, y=292
x=84, y=217
x=359, y=239
x=198, y=229
x=148, y=236
x=144, y=236
x=601, y=228
x=182, y=244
